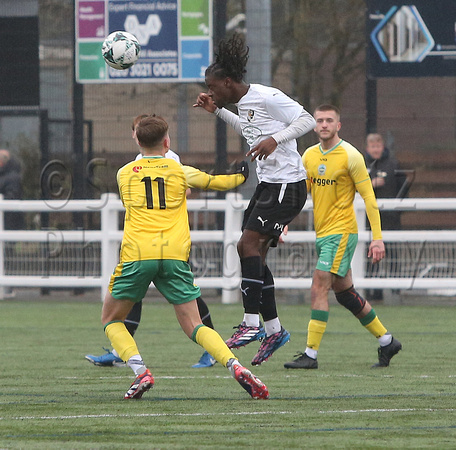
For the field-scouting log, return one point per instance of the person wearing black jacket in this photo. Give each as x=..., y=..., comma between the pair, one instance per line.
x=388, y=181
x=387, y=178
x=11, y=187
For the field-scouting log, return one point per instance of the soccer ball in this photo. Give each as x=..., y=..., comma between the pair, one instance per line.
x=120, y=50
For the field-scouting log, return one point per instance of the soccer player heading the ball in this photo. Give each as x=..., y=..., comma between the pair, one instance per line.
x=155, y=248
x=271, y=122
x=336, y=171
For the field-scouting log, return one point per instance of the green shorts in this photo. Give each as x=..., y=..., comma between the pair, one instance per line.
x=335, y=253
x=173, y=278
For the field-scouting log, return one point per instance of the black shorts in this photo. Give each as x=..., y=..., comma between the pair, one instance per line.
x=274, y=205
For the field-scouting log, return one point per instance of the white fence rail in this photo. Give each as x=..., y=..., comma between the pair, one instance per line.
x=423, y=259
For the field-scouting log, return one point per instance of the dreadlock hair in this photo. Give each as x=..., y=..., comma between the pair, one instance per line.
x=230, y=59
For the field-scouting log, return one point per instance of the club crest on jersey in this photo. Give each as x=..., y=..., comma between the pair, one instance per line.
x=250, y=115
x=136, y=169
x=321, y=169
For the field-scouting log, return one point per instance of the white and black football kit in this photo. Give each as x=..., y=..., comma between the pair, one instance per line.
x=281, y=193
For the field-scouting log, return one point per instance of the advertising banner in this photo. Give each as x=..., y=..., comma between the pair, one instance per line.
x=411, y=39
x=175, y=38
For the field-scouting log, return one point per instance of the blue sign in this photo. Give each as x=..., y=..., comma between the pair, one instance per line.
x=193, y=52
x=155, y=26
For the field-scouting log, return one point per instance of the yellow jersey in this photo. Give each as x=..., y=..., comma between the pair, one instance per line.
x=152, y=191
x=334, y=176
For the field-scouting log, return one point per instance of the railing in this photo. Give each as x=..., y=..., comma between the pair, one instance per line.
x=420, y=263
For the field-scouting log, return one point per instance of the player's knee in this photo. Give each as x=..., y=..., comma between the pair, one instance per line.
x=239, y=248
x=351, y=300
x=247, y=246
x=321, y=283
x=319, y=291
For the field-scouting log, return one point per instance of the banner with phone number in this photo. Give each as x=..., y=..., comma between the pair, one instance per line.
x=175, y=38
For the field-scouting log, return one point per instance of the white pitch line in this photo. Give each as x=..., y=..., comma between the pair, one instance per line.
x=164, y=377
x=200, y=377
x=102, y=416
x=359, y=411
x=351, y=375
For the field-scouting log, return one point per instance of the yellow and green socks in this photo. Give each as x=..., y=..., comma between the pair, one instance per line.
x=372, y=323
x=315, y=331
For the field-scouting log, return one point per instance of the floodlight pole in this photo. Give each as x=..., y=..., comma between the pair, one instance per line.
x=78, y=134
x=258, y=24
x=221, y=163
x=371, y=87
x=371, y=105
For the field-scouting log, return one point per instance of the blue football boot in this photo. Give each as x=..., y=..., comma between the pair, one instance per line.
x=206, y=360
x=106, y=360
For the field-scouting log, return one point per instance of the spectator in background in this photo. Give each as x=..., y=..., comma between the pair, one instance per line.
x=387, y=181
x=11, y=189
x=386, y=177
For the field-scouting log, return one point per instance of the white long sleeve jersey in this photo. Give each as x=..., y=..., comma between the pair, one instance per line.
x=264, y=112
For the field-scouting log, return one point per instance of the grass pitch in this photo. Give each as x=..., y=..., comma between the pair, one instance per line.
x=51, y=397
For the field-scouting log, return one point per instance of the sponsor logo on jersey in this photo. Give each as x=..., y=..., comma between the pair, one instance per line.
x=250, y=115
x=251, y=134
x=136, y=169
x=322, y=181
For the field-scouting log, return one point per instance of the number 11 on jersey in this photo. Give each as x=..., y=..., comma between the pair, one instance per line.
x=161, y=192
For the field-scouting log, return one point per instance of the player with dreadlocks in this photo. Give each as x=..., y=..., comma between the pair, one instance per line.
x=271, y=122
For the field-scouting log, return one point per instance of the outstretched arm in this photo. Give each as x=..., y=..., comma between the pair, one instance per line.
x=202, y=180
